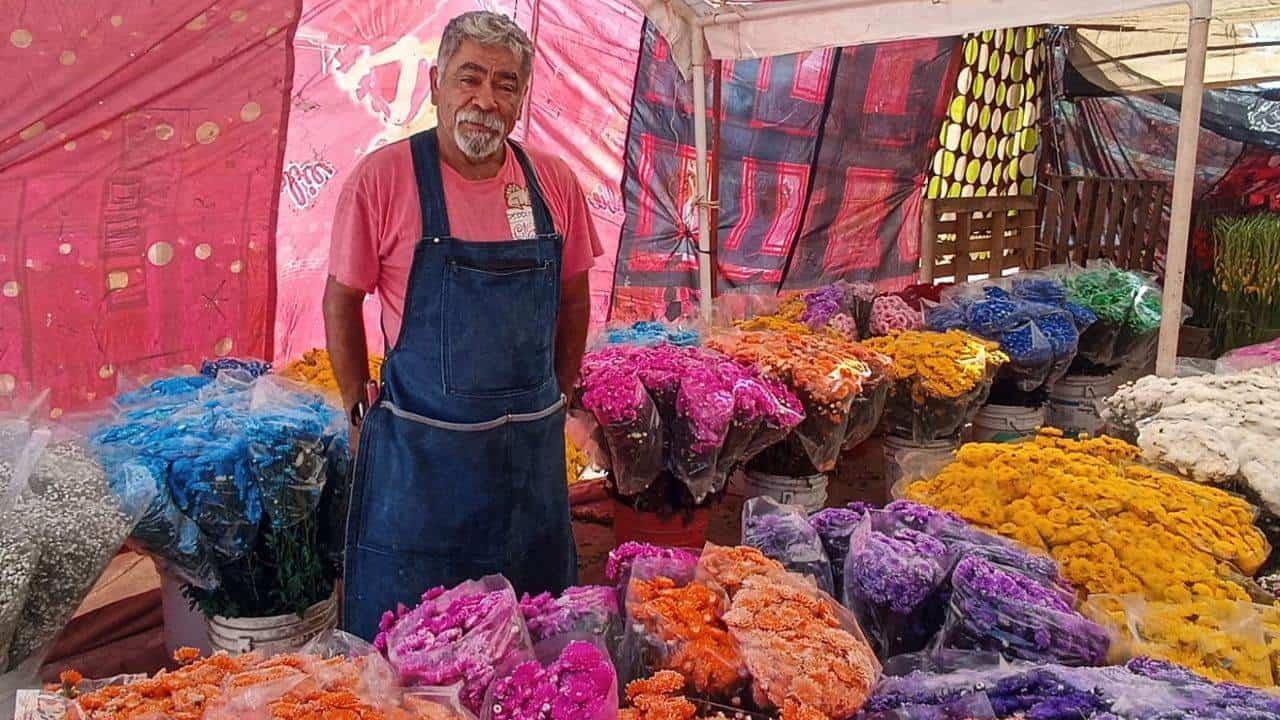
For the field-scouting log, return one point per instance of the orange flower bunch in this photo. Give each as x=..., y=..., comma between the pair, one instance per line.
x=310, y=688
x=799, y=651
x=825, y=370
x=686, y=621
x=729, y=567
x=658, y=698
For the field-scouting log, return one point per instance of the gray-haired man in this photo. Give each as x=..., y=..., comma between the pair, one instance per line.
x=479, y=251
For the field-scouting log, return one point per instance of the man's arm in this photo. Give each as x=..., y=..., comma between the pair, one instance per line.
x=571, y=329
x=345, y=339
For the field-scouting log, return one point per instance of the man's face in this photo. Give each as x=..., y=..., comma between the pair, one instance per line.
x=479, y=96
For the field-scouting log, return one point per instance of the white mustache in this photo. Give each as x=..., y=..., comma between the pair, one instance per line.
x=490, y=121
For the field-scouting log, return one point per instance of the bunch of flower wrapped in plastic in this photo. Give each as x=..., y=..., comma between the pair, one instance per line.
x=461, y=635
x=841, y=385
x=1223, y=640
x=578, y=683
x=241, y=464
x=334, y=676
x=684, y=416
x=840, y=310
x=1127, y=305
x=63, y=517
x=650, y=332
x=1028, y=315
x=740, y=621
x=1141, y=689
x=783, y=533
x=918, y=578
x=939, y=380
x=1112, y=526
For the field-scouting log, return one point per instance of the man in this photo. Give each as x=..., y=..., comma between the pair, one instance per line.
x=479, y=252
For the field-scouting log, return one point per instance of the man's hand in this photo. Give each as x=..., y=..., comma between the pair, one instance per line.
x=571, y=330
x=345, y=338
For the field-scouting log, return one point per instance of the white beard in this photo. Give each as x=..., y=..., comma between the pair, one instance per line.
x=479, y=145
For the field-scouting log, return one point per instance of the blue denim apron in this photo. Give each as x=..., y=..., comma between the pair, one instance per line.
x=461, y=470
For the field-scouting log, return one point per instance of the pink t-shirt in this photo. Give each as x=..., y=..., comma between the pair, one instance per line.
x=378, y=221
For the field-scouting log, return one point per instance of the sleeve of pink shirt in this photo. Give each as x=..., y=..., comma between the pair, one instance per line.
x=581, y=243
x=357, y=228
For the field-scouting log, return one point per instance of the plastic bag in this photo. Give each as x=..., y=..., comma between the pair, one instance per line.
x=1231, y=642
x=458, y=635
x=569, y=677
x=1249, y=357
x=800, y=645
x=893, y=582
x=931, y=418
x=18, y=550
x=1127, y=306
x=634, y=437
x=835, y=528
x=289, y=431
x=998, y=609
x=674, y=623
x=588, y=610
x=783, y=533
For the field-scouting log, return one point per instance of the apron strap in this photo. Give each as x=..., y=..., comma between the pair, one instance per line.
x=542, y=221
x=425, y=148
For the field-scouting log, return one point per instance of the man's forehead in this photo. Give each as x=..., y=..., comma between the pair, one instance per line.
x=495, y=59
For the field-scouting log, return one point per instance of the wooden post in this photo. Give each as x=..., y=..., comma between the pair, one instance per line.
x=1184, y=176
x=928, y=240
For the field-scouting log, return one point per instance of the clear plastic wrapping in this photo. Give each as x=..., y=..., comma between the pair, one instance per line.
x=463, y=634
x=783, y=533
x=675, y=624
x=998, y=609
x=568, y=677
x=893, y=582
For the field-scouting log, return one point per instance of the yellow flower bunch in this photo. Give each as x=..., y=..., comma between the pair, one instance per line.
x=941, y=365
x=773, y=323
x=575, y=461
x=1113, y=526
x=314, y=369
x=1223, y=640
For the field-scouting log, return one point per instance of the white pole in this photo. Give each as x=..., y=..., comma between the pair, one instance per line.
x=1175, y=261
x=698, y=54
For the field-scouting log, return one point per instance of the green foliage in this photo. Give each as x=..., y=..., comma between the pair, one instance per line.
x=1247, y=280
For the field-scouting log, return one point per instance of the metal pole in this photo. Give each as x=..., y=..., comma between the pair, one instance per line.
x=1175, y=262
x=698, y=54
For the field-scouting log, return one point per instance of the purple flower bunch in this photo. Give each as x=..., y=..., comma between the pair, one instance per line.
x=999, y=609
x=898, y=571
x=783, y=532
x=457, y=635
x=1139, y=690
x=689, y=410
x=824, y=304
x=618, y=566
x=579, y=685
x=586, y=608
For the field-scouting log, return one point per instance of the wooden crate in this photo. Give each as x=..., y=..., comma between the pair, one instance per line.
x=972, y=238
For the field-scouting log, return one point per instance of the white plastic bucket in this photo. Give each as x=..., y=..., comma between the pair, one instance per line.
x=1075, y=403
x=903, y=454
x=1005, y=423
x=810, y=491
x=183, y=626
x=275, y=634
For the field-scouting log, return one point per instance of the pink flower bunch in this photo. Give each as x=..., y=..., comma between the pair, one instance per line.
x=618, y=567
x=579, y=685
x=587, y=608
x=457, y=635
x=890, y=312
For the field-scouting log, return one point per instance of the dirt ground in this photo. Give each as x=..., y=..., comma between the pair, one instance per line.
x=858, y=477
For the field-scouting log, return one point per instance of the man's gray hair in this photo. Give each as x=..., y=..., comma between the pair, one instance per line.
x=489, y=29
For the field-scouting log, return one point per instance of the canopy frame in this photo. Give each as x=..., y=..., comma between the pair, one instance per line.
x=693, y=25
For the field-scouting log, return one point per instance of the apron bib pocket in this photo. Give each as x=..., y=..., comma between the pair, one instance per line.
x=507, y=350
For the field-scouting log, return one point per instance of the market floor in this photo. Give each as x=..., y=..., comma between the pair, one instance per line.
x=858, y=476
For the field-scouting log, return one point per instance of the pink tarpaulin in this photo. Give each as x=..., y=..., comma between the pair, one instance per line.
x=140, y=144
x=362, y=80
